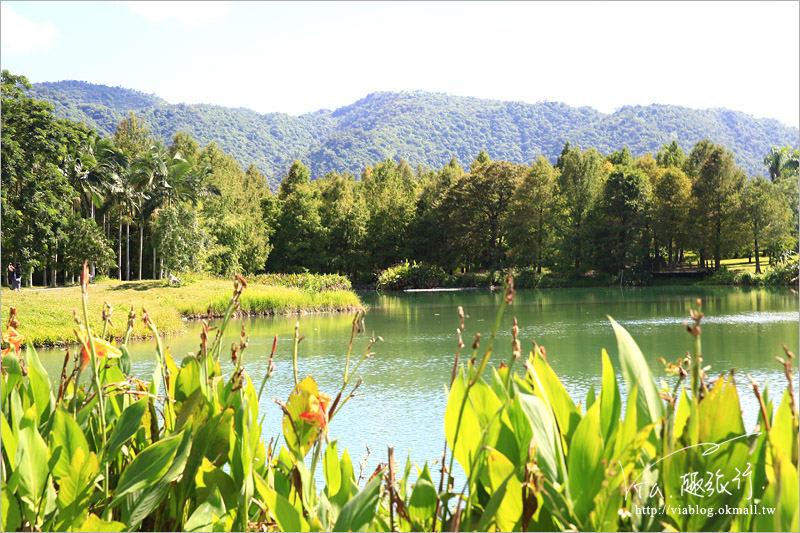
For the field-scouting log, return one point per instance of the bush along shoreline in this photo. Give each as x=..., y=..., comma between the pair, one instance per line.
x=415, y=275
x=184, y=451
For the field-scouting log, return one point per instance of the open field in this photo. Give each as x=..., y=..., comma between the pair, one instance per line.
x=45, y=315
x=741, y=265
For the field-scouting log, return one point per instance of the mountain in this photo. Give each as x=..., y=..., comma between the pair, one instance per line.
x=424, y=128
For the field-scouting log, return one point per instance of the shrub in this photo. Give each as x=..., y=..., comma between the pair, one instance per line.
x=305, y=281
x=410, y=276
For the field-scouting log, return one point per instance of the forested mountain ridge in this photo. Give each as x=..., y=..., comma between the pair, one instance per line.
x=424, y=128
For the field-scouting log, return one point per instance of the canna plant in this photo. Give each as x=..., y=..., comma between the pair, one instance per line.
x=112, y=453
x=185, y=451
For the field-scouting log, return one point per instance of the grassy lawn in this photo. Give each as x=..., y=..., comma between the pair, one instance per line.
x=741, y=265
x=45, y=315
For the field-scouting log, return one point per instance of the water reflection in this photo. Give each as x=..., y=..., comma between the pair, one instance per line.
x=402, y=400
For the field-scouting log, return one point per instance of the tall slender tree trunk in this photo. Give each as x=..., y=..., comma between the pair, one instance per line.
x=154, y=263
x=128, y=251
x=91, y=266
x=141, y=243
x=671, y=262
x=119, y=249
x=758, y=261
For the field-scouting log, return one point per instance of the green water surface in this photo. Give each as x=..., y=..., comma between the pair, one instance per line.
x=402, y=399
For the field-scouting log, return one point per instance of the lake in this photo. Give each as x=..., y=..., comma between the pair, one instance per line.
x=402, y=399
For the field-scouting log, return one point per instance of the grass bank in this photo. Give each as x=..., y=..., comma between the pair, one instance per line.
x=46, y=314
x=733, y=272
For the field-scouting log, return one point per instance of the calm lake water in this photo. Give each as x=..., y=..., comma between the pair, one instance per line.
x=402, y=399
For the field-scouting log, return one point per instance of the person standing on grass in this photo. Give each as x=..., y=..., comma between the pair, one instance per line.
x=16, y=276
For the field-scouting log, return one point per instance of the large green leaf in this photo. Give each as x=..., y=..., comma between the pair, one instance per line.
x=465, y=421
x=207, y=514
x=148, y=467
x=549, y=453
x=40, y=384
x=95, y=523
x=550, y=389
x=610, y=403
x=10, y=440
x=287, y=517
x=188, y=379
x=502, y=473
x=9, y=509
x=781, y=495
x=75, y=490
x=359, y=511
x=423, y=501
x=147, y=500
x=126, y=427
x=636, y=371
x=585, y=463
x=347, y=484
x=209, y=477
x=66, y=438
x=783, y=433
x=330, y=465
x=31, y=460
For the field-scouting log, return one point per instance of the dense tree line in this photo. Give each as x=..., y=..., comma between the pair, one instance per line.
x=137, y=208
x=422, y=127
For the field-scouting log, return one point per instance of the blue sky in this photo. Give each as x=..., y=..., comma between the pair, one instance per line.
x=297, y=57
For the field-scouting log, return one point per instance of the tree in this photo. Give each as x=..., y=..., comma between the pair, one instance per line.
x=344, y=214
x=779, y=162
x=131, y=136
x=579, y=184
x=620, y=219
x=671, y=155
x=529, y=223
x=298, y=175
x=239, y=238
x=429, y=241
x=672, y=196
x=36, y=193
x=179, y=239
x=390, y=193
x=716, y=188
x=620, y=157
x=478, y=204
x=768, y=215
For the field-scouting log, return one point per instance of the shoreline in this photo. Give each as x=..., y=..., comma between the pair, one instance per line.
x=195, y=317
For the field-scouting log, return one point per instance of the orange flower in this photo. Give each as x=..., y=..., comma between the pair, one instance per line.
x=14, y=340
x=319, y=410
x=102, y=348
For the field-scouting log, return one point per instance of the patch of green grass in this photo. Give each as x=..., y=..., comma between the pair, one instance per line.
x=741, y=264
x=46, y=318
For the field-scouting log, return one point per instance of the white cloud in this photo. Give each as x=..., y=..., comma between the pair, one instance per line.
x=22, y=35
x=191, y=15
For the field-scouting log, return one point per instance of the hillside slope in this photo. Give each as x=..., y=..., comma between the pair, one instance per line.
x=424, y=128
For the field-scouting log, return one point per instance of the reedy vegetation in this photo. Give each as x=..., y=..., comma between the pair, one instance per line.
x=185, y=450
x=139, y=209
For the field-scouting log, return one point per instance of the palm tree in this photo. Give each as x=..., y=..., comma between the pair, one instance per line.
x=181, y=182
x=776, y=162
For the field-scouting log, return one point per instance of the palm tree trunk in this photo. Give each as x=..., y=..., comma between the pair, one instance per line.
x=141, y=244
x=119, y=249
x=154, y=263
x=128, y=251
